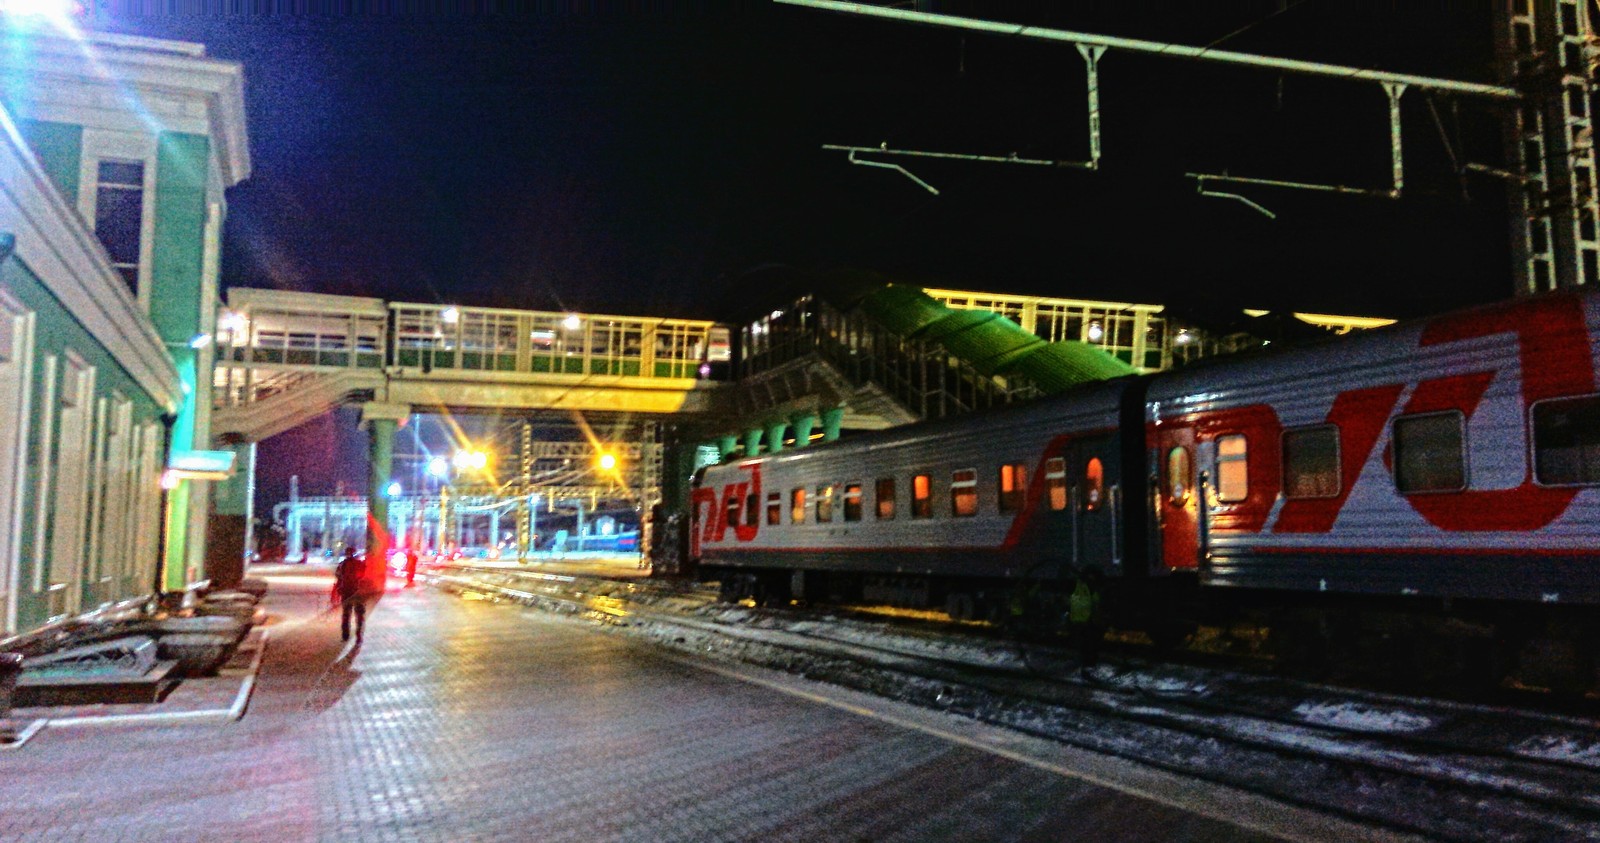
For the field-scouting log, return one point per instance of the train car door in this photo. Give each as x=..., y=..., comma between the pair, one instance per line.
x=1095, y=468
x=1176, y=496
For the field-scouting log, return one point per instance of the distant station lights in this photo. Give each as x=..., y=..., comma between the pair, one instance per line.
x=471, y=459
x=439, y=467
x=572, y=322
x=394, y=489
x=607, y=462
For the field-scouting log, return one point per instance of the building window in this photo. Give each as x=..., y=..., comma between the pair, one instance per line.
x=852, y=502
x=1013, y=486
x=774, y=508
x=1055, y=482
x=824, y=504
x=885, y=492
x=1430, y=453
x=1179, y=480
x=1094, y=484
x=1566, y=441
x=922, y=496
x=964, y=493
x=119, y=216
x=1233, y=468
x=797, y=506
x=1311, y=462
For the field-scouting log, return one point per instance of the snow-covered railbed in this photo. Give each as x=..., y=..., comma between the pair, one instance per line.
x=1443, y=769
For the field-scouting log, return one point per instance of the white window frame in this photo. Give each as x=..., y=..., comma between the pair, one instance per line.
x=16, y=399
x=110, y=145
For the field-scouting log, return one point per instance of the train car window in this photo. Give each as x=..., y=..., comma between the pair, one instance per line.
x=885, y=490
x=1233, y=468
x=733, y=512
x=1094, y=484
x=852, y=502
x=1429, y=453
x=964, y=493
x=1311, y=462
x=1566, y=441
x=1055, y=482
x=1180, y=476
x=797, y=506
x=824, y=504
x=752, y=509
x=1013, y=486
x=922, y=496
x=774, y=507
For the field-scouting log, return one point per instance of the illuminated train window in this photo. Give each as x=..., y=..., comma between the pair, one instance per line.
x=852, y=502
x=1094, y=484
x=1013, y=486
x=752, y=509
x=733, y=512
x=885, y=492
x=1430, y=453
x=964, y=493
x=1566, y=441
x=1311, y=462
x=1055, y=482
x=797, y=506
x=824, y=504
x=922, y=496
x=774, y=508
x=1233, y=468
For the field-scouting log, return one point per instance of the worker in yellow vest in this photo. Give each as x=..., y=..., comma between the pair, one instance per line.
x=1084, y=619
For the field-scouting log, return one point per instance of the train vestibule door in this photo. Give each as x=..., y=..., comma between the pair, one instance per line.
x=1176, y=494
x=1094, y=468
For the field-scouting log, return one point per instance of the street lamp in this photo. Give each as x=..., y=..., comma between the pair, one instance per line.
x=471, y=459
x=439, y=467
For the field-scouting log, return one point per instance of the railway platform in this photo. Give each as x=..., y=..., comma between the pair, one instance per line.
x=462, y=719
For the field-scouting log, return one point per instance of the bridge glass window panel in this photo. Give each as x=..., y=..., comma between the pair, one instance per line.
x=922, y=496
x=797, y=506
x=774, y=508
x=1180, y=476
x=1055, y=483
x=1311, y=462
x=1233, y=468
x=119, y=216
x=884, y=490
x=1430, y=453
x=1566, y=441
x=1094, y=484
x=1013, y=486
x=964, y=492
x=824, y=503
x=852, y=502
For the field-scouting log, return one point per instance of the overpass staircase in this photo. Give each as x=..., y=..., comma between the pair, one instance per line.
x=284, y=400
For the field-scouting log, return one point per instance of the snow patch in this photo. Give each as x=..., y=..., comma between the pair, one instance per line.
x=1562, y=748
x=1362, y=718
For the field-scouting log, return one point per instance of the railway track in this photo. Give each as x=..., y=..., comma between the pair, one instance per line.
x=1442, y=769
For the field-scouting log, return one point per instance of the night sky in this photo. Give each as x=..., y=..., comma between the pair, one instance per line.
x=646, y=161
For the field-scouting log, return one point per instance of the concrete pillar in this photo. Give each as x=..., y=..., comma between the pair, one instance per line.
x=381, y=422
x=752, y=442
x=494, y=528
x=803, y=423
x=831, y=420
x=775, y=433
x=228, y=528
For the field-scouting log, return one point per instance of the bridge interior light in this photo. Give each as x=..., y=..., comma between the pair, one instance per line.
x=572, y=322
x=232, y=321
x=1096, y=332
x=450, y=315
x=1183, y=337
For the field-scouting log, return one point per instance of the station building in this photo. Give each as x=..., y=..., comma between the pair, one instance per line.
x=115, y=153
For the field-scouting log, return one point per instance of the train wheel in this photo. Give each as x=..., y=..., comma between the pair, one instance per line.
x=960, y=606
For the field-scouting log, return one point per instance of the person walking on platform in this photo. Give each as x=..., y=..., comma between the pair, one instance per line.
x=348, y=581
x=1085, y=621
x=411, y=567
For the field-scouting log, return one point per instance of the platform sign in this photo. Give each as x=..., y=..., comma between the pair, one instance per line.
x=200, y=465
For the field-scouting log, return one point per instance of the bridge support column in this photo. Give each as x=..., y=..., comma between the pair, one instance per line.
x=228, y=529
x=381, y=422
x=832, y=419
x=775, y=433
x=752, y=442
x=803, y=423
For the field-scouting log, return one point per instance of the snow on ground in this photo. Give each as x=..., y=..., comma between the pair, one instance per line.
x=1563, y=748
x=1361, y=717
